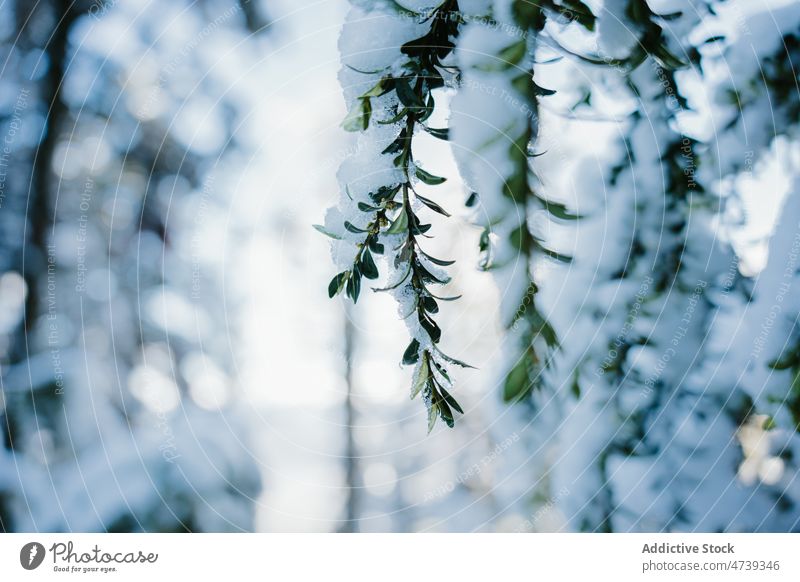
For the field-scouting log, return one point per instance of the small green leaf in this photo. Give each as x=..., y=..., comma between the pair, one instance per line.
x=432, y=205
x=442, y=371
x=450, y=400
x=394, y=119
x=353, y=228
x=375, y=246
x=540, y=91
x=366, y=72
x=358, y=117
x=713, y=39
x=400, y=223
x=337, y=283
x=451, y=360
x=433, y=414
x=561, y=258
x=429, y=277
x=384, y=193
x=364, y=207
x=368, y=267
x=419, y=228
x=445, y=298
x=326, y=232
x=439, y=133
x=559, y=210
x=407, y=96
x=517, y=384
x=446, y=414
x=398, y=145
x=428, y=178
x=436, y=261
x=790, y=360
x=430, y=305
x=576, y=386
x=381, y=88
x=666, y=58
x=353, y=287
x=472, y=200
x=431, y=327
x=399, y=282
x=421, y=374
x=411, y=355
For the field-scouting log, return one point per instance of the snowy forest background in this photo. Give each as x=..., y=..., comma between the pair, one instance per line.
x=622, y=177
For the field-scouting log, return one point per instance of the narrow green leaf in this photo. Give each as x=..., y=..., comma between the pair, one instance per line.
x=397, y=284
x=576, y=386
x=433, y=414
x=557, y=256
x=442, y=371
x=443, y=134
x=432, y=205
x=428, y=178
x=559, y=210
x=366, y=72
x=451, y=401
x=667, y=59
x=381, y=88
x=353, y=228
x=785, y=362
x=436, y=261
x=326, y=232
x=540, y=91
x=444, y=298
x=446, y=414
x=451, y=360
x=394, y=119
x=364, y=207
x=434, y=331
x=420, y=377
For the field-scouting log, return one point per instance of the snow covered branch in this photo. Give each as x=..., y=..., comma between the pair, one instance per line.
x=381, y=202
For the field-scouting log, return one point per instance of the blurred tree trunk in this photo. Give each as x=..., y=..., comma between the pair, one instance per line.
x=353, y=482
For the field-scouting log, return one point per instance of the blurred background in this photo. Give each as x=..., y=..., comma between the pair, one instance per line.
x=170, y=359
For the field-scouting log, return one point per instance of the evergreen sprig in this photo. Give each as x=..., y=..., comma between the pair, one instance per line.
x=526, y=374
x=392, y=214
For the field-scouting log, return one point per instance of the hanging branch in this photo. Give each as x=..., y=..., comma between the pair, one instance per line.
x=389, y=215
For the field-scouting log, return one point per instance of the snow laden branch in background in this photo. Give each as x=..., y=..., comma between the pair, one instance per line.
x=393, y=61
x=494, y=125
x=655, y=425
x=642, y=282
x=754, y=85
x=119, y=405
x=778, y=299
x=756, y=349
x=759, y=105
